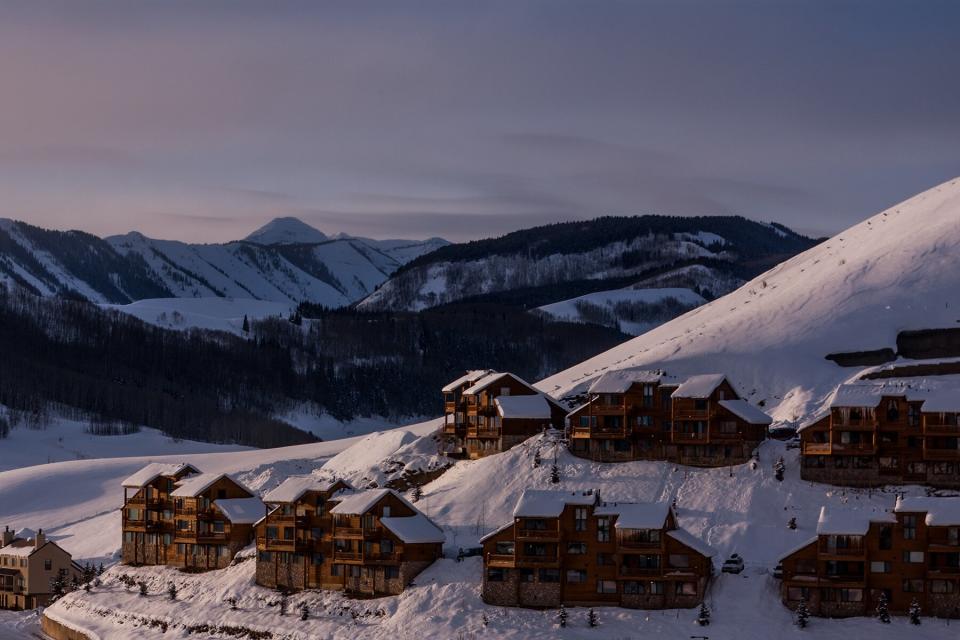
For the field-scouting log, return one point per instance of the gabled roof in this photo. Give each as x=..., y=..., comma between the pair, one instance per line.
x=636, y=515
x=532, y=406
x=155, y=470
x=195, y=485
x=492, y=378
x=699, y=386
x=546, y=503
x=860, y=395
x=241, y=510
x=415, y=529
x=294, y=487
x=496, y=531
x=580, y=407
x=687, y=539
x=941, y=512
x=619, y=381
x=746, y=411
x=799, y=547
x=469, y=377
x=360, y=502
x=849, y=521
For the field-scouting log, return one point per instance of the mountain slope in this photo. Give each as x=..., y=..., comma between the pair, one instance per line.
x=899, y=270
x=610, y=248
x=286, y=231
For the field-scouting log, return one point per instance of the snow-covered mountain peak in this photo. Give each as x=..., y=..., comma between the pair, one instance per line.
x=898, y=270
x=286, y=230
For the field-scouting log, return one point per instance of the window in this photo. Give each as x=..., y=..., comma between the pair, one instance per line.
x=264, y=556
x=369, y=522
x=880, y=567
x=221, y=494
x=576, y=576
x=505, y=548
x=535, y=524
x=606, y=586
x=909, y=527
x=549, y=575
x=128, y=536
x=167, y=538
x=272, y=532
x=886, y=537
x=391, y=573
x=851, y=595
x=913, y=586
x=354, y=570
x=605, y=560
x=728, y=427
x=580, y=519
x=496, y=574
x=679, y=561
x=218, y=526
x=133, y=514
x=526, y=575
x=335, y=570
x=576, y=548
x=943, y=468
x=916, y=468
x=641, y=536
x=48, y=565
x=633, y=588
x=700, y=404
x=943, y=586
x=798, y=593
x=953, y=536
x=386, y=546
x=648, y=395
x=603, y=529
x=386, y=512
x=644, y=421
x=656, y=588
x=913, y=557
x=685, y=588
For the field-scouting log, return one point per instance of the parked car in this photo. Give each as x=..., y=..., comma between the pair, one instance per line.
x=734, y=564
x=778, y=571
x=793, y=443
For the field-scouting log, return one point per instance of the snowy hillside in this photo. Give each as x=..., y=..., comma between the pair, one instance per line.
x=898, y=270
x=739, y=509
x=631, y=310
x=218, y=314
x=286, y=231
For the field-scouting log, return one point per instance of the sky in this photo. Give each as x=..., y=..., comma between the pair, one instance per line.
x=200, y=121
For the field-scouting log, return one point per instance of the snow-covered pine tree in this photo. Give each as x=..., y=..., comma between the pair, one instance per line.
x=172, y=591
x=232, y=601
x=484, y=619
x=142, y=587
x=592, y=618
x=417, y=493
x=58, y=584
x=304, y=611
x=914, y=612
x=704, y=618
x=100, y=569
x=792, y=524
x=779, y=468
x=562, y=616
x=883, y=609
x=554, y=473
x=803, y=614
x=536, y=458
x=86, y=587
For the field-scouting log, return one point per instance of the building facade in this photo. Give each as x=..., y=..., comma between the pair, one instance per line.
x=176, y=516
x=28, y=566
x=366, y=543
x=574, y=549
x=875, y=434
x=488, y=412
x=634, y=414
x=912, y=553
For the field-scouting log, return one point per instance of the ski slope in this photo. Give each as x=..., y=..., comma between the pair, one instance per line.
x=567, y=310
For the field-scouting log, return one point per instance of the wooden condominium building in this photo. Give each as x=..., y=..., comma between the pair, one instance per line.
x=177, y=516
x=910, y=554
x=635, y=414
x=488, y=412
x=574, y=549
x=885, y=433
x=322, y=535
x=27, y=568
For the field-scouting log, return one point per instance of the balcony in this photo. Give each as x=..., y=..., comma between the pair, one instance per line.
x=637, y=545
x=816, y=448
x=382, y=558
x=941, y=454
x=608, y=432
x=857, y=448
x=347, y=532
x=607, y=409
x=501, y=560
x=693, y=415
x=347, y=556
x=538, y=534
x=452, y=429
x=944, y=570
x=483, y=432
x=855, y=551
x=854, y=425
x=942, y=429
x=690, y=437
x=209, y=537
x=540, y=561
x=626, y=570
x=851, y=578
x=279, y=544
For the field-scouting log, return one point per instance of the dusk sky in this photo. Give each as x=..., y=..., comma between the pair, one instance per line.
x=202, y=120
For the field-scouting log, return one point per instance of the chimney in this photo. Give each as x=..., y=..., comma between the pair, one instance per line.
x=40, y=539
x=7, y=536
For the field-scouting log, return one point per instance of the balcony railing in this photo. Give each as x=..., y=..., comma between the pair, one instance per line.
x=816, y=448
x=841, y=551
x=483, y=432
x=347, y=556
x=347, y=532
x=690, y=436
x=942, y=429
x=854, y=447
x=281, y=544
x=844, y=577
x=626, y=570
x=500, y=559
x=538, y=534
x=537, y=559
x=930, y=453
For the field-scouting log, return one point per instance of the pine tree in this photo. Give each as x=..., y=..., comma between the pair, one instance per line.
x=792, y=524
x=86, y=587
x=100, y=570
x=417, y=494
x=304, y=611
x=704, y=618
x=58, y=584
x=484, y=619
x=246, y=324
x=536, y=458
x=284, y=603
x=232, y=601
x=779, y=468
x=883, y=610
x=555, y=473
x=562, y=616
x=803, y=614
x=143, y=587
x=915, y=612
x=172, y=591
x=592, y=619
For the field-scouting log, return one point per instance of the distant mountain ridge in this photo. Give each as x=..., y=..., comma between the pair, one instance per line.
x=284, y=261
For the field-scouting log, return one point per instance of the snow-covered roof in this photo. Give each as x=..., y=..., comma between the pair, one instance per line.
x=241, y=510
x=699, y=386
x=809, y=422
x=470, y=376
x=634, y=515
x=545, y=503
x=496, y=531
x=943, y=401
x=687, y=539
x=415, y=529
x=746, y=411
x=532, y=406
x=799, y=547
x=293, y=488
x=579, y=407
x=491, y=378
x=849, y=521
x=860, y=395
x=360, y=502
x=19, y=547
x=619, y=381
x=941, y=512
x=195, y=485
x=155, y=470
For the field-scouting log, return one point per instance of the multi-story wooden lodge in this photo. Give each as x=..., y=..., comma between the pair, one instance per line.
x=374, y=543
x=182, y=518
x=910, y=554
x=28, y=567
x=635, y=414
x=574, y=549
x=294, y=542
x=876, y=434
x=489, y=412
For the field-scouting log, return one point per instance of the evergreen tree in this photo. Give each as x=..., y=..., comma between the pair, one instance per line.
x=779, y=468
x=484, y=619
x=143, y=587
x=914, y=612
x=86, y=587
x=417, y=493
x=883, y=611
x=172, y=591
x=592, y=619
x=792, y=524
x=562, y=616
x=704, y=618
x=536, y=458
x=803, y=614
x=554, y=473
x=246, y=324
x=304, y=611
x=232, y=601
x=284, y=603
x=58, y=584
x=100, y=569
